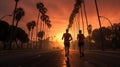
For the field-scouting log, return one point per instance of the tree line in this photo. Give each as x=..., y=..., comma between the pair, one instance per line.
x=110, y=38
x=10, y=34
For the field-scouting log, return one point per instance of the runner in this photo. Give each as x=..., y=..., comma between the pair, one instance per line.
x=67, y=38
x=80, y=38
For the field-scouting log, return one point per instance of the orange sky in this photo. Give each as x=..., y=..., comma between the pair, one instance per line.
x=59, y=12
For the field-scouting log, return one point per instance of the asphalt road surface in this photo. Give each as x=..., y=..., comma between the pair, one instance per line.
x=56, y=58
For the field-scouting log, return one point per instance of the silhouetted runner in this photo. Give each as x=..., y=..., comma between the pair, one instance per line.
x=67, y=38
x=80, y=38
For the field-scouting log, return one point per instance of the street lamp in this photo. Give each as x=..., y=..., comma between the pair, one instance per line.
x=107, y=19
x=5, y=16
x=109, y=22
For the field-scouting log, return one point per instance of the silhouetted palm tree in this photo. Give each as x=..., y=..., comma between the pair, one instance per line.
x=48, y=29
x=49, y=25
x=33, y=23
x=19, y=13
x=74, y=12
x=41, y=35
x=39, y=6
x=29, y=27
x=42, y=10
x=45, y=19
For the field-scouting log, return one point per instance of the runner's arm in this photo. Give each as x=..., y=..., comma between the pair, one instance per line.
x=62, y=36
x=71, y=38
x=77, y=37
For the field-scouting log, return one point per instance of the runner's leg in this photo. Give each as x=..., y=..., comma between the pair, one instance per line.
x=65, y=51
x=82, y=49
x=68, y=46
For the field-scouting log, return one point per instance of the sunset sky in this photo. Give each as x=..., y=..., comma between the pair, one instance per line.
x=59, y=12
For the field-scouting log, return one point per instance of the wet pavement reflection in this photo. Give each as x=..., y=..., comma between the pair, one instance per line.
x=68, y=62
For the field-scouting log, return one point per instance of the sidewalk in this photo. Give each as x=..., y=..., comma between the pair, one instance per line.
x=20, y=51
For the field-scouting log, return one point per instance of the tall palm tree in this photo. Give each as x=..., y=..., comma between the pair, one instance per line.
x=44, y=17
x=39, y=6
x=19, y=13
x=33, y=23
x=46, y=26
x=29, y=27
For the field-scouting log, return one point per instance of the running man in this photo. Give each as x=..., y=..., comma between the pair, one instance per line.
x=80, y=38
x=67, y=38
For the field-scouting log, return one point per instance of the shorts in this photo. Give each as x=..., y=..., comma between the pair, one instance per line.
x=80, y=44
x=67, y=44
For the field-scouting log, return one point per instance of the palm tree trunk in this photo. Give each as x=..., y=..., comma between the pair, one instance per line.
x=37, y=28
x=79, y=20
x=82, y=19
x=44, y=35
x=85, y=13
x=31, y=34
x=31, y=39
x=86, y=22
x=41, y=25
x=17, y=23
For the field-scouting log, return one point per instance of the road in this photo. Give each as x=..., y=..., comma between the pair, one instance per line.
x=56, y=58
